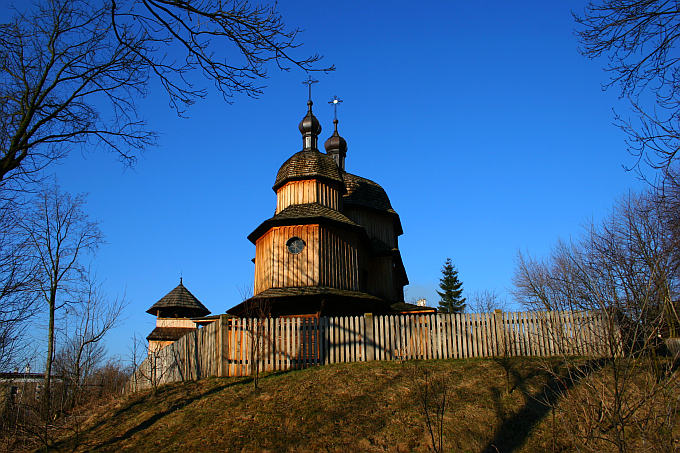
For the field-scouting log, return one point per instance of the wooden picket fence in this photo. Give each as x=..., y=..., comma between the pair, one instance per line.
x=234, y=346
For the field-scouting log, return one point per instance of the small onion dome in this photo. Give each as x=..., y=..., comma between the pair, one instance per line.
x=310, y=128
x=335, y=143
x=308, y=164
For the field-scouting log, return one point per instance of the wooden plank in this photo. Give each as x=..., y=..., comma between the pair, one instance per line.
x=527, y=334
x=241, y=347
x=401, y=329
x=384, y=337
x=469, y=335
x=490, y=333
x=408, y=338
x=519, y=351
x=351, y=340
x=387, y=337
x=512, y=341
x=344, y=340
x=377, y=347
x=588, y=328
x=452, y=340
x=479, y=339
x=443, y=335
x=428, y=336
x=331, y=340
x=458, y=344
x=481, y=328
x=433, y=338
x=357, y=338
x=417, y=336
x=270, y=343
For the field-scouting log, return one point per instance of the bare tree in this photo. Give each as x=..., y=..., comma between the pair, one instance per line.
x=71, y=71
x=486, y=301
x=60, y=235
x=639, y=39
x=150, y=366
x=431, y=392
x=257, y=313
x=17, y=298
x=83, y=353
x=621, y=271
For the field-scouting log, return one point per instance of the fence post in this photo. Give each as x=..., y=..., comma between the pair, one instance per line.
x=221, y=322
x=499, y=333
x=369, y=339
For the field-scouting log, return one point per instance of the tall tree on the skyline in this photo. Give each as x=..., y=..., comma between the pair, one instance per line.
x=451, y=290
x=73, y=71
x=59, y=235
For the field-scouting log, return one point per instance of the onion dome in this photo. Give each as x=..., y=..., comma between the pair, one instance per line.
x=310, y=128
x=178, y=303
x=308, y=164
x=336, y=147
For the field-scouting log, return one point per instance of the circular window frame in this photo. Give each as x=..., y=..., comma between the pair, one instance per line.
x=292, y=241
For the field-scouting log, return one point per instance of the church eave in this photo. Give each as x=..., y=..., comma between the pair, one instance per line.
x=339, y=185
x=313, y=220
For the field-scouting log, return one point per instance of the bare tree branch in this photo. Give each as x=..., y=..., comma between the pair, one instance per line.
x=72, y=71
x=639, y=39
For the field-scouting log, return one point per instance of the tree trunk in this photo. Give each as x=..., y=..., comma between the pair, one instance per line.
x=48, y=364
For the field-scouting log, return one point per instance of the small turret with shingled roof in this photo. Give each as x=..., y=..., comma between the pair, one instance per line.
x=177, y=313
x=179, y=303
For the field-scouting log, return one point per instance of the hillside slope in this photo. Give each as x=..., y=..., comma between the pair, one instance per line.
x=370, y=407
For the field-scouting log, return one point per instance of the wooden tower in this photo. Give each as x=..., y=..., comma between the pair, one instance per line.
x=177, y=313
x=332, y=245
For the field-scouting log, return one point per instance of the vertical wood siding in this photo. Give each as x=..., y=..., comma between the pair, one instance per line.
x=235, y=346
x=307, y=191
x=378, y=225
x=276, y=267
x=339, y=260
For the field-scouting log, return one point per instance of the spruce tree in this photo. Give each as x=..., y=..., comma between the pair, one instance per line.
x=451, y=290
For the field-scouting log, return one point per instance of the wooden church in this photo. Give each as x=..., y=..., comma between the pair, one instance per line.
x=331, y=247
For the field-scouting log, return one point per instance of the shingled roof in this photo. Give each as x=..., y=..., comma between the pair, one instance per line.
x=301, y=291
x=364, y=192
x=307, y=164
x=169, y=333
x=308, y=212
x=310, y=299
x=179, y=301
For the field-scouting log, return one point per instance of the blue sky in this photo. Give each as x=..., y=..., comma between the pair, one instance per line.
x=487, y=129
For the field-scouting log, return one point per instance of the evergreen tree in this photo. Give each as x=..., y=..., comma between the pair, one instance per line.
x=451, y=290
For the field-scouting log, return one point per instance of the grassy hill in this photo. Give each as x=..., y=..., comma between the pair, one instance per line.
x=372, y=407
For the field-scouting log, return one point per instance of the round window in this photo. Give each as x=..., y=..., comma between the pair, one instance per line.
x=295, y=245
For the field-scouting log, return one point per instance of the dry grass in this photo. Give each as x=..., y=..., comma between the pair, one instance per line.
x=359, y=406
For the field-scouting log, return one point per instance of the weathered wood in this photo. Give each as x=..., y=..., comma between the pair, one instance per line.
x=224, y=347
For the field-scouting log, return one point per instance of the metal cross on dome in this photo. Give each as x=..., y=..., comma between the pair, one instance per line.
x=335, y=101
x=309, y=83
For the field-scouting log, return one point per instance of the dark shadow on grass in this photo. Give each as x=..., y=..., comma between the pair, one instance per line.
x=513, y=431
x=154, y=418
x=151, y=420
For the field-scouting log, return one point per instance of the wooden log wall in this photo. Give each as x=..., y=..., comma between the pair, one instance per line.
x=234, y=347
x=307, y=191
x=276, y=267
